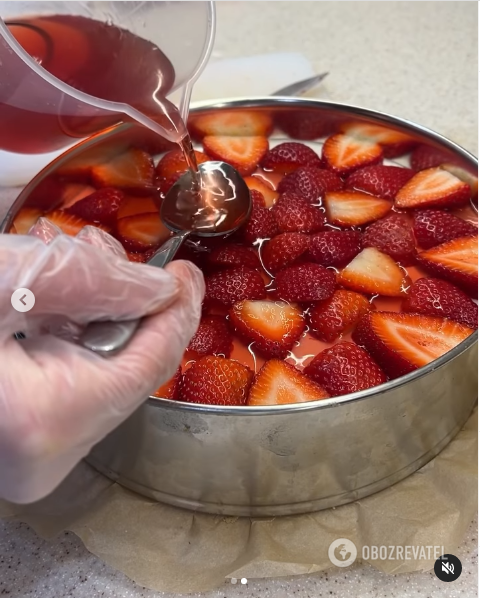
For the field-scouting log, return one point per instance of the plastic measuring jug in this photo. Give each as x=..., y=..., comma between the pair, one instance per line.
x=71, y=69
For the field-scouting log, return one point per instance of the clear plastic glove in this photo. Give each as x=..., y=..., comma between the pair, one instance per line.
x=57, y=399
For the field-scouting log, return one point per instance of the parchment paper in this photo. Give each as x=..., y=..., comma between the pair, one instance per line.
x=170, y=549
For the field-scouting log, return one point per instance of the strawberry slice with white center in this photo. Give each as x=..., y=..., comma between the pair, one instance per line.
x=243, y=153
x=279, y=383
x=374, y=273
x=25, y=219
x=132, y=169
x=433, y=188
x=394, y=143
x=401, y=343
x=456, y=261
x=70, y=224
x=231, y=122
x=141, y=232
x=354, y=208
x=344, y=153
x=272, y=327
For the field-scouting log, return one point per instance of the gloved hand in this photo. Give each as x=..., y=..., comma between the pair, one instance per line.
x=57, y=399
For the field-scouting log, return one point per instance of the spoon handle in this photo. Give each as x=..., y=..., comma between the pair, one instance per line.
x=109, y=338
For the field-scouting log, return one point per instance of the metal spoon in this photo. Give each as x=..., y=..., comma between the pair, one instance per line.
x=214, y=202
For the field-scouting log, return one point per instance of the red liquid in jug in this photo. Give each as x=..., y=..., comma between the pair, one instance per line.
x=96, y=58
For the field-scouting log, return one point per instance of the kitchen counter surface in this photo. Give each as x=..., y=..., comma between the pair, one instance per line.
x=416, y=60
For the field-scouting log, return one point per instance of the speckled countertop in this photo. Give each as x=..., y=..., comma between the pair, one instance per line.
x=417, y=60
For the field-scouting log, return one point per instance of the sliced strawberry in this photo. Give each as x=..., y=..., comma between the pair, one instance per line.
x=283, y=250
x=214, y=380
x=394, y=143
x=435, y=297
x=343, y=369
x=374, y=273
x=171, y=389
x=173, y=163
x=433, y=188
x=456, y=261
x=343, y=153
x=382, y=181
x=213, y=337
x=73, y=192
x=235, y=123
x=68, y=223
x=311, y=182
x=304, y=125
x=434, y=227
x=289, y=156
x=294, y=214
x=139, y=258
x=101, y=206
x=232, y=256
x=279, y=383
x=25, y=219
x=335, y=316
x=402, y=343
x=258, y=200
x=255, y=183
x=392, y=235
x=335, y=247
x=465, y=176
x=131, y=206
x=243, y=153
x=132, y=169
x=354, y=208
x=427, y=156
x=261, y=225
x=305, y=283
x=229, y=286
x=272, y=327
x=141, y=232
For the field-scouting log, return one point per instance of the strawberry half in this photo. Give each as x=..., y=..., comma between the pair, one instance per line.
x=283, y=250
x=433, y=188
x=230, y=286
x=25, y=219
x=289, y=156
x=279, y=383
x=343, y=153
x=101, y=206
x=335, y=247
x=354, y=208
x=243, y=153
x=434, y=297
x=239, y=124
x=141, y=232
x=305, y=283
x=255, y=183
x=131, y=206
x=392, y=235
x=261, y=225
x=294, y=214
x=213, y=337
x=174, y=162
x=131, y=170
x=311, y=182
x=171, y=389
x=304, y=125
x=374, y=273
x=343, y=369
x=464, y=175
x=215, y=380
x=402, y=343
x=382, y=181
x=258, y=200
x=233, y=256
x=434, y=227
x=68, y=223
x=394, y=143
x=272, y=327
x=335, y=316
x=427, y=156
x=456, y=261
